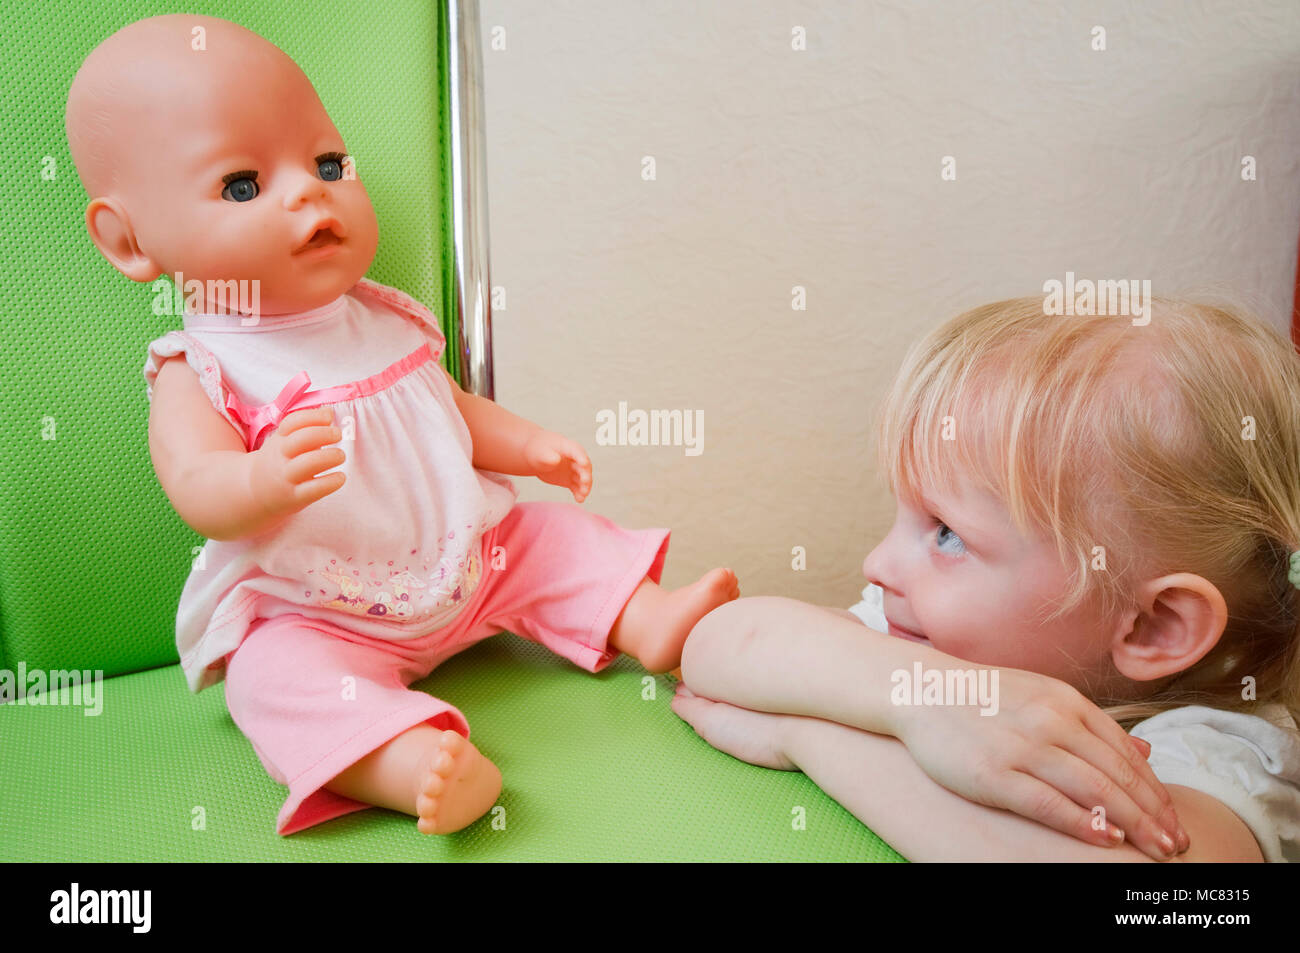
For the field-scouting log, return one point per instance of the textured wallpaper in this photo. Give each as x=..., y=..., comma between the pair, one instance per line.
x=665, y=177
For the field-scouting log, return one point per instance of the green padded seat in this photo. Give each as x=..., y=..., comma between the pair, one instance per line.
x=593, y=771
x=92, y=557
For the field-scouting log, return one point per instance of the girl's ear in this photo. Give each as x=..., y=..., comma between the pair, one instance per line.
x=1180, y=618
x=110, y=229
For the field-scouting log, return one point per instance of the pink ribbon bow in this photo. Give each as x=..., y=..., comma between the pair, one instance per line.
x=261, y=419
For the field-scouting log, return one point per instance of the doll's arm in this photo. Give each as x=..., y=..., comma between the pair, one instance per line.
x=499, y=436
x=509, y=444
x=217, y=487
x=875, y=778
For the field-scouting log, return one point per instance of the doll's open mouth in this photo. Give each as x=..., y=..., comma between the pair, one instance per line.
x=322, y=236
x=327, y=232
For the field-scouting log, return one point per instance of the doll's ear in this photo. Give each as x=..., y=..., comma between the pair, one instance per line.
x=110, y=229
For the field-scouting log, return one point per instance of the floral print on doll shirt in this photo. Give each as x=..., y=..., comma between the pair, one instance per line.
x=398, y=592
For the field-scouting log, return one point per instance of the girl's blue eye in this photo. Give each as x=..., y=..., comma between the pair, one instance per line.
x=243, y=189
x=951, y=536
x=331, y=170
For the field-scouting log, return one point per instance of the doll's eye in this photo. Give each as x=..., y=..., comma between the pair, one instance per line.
x=330, y=166
x=240, y=187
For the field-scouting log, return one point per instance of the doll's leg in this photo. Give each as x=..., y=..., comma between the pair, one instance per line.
x=328, y=713
x=588, y=589
x=438, y=776
x=655, y=622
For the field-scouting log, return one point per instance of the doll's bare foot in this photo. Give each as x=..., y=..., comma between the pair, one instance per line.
x=433, y=774
x=457, y=785
x=654, y=624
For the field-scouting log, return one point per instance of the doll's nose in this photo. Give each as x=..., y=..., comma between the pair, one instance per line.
x=304, y=189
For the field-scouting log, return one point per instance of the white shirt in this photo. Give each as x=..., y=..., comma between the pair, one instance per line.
x=1250, y=763
x=396, y=552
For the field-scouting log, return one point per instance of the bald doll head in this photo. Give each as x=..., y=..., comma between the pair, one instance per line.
x=206, y=152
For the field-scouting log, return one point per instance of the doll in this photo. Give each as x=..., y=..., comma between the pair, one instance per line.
x=361, y=524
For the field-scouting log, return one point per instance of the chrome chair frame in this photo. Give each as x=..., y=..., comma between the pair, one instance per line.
x=469, y=201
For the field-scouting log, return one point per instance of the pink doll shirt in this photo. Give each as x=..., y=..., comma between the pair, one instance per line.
x=396, y=551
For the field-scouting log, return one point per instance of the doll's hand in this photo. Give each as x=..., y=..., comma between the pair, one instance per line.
x=1049, y=754
x=753, y=736
x=555, y=459
x=283, y=475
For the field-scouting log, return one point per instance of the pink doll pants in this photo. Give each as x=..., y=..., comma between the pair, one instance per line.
x=568, y=573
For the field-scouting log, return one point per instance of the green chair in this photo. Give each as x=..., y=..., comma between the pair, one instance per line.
x=93, y=558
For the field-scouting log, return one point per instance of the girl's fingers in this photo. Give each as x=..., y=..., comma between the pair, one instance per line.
x=1159, y=803
x=1122, y=768
x=1105, y=728
x=1144, y=747
x=1043, y=802
x=1078, y=778
x=690, y=708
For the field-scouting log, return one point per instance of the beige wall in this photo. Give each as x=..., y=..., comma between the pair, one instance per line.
x=821, y=168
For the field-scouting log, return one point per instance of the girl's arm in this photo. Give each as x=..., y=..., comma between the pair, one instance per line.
x=774, y=654
x=1049, y=754
x=875, y=779
x=216, y=486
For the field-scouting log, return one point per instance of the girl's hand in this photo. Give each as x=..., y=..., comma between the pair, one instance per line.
x=753, y=736
x=283, y=470
x=555, y=459
x=1050, y=755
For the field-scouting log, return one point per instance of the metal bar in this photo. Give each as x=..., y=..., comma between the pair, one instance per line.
x=469, y=199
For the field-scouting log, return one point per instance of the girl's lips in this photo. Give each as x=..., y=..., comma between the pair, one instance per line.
x=906, y=634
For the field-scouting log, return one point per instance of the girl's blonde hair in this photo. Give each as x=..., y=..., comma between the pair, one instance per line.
x=1174, y=446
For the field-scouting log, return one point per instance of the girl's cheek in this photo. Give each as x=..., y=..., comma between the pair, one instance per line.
x=965, y=634
x=956, y=645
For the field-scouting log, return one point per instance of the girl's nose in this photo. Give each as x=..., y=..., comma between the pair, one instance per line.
x=877, y=568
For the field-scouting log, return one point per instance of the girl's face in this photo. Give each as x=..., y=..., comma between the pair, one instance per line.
x=957, y=573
